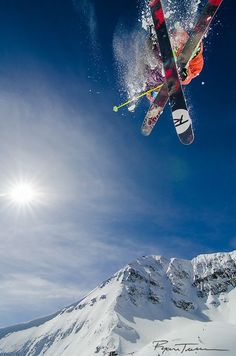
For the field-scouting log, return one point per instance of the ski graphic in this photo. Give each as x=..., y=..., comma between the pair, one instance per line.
x=199, y=31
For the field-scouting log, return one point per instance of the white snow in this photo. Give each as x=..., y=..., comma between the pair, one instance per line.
x=152, y=306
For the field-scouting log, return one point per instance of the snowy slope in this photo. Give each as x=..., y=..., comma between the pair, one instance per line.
x=152, y=306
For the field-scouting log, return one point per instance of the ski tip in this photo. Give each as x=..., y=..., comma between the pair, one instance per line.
x=145, y=132
x=187, y=137
x=187, y=143
x=115, y=108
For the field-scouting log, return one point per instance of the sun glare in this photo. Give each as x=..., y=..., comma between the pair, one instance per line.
x=22, y=193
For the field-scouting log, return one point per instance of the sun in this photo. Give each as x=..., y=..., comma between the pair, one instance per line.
x=23, y=193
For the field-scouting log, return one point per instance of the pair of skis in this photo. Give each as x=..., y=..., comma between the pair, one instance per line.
x=171, y=89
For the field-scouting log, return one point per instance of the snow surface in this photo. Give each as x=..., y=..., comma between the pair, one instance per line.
x=153, y=306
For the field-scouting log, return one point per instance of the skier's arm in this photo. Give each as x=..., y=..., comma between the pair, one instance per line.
x=194, y=68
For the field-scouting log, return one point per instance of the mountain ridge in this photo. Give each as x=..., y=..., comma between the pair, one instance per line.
x=150, y=296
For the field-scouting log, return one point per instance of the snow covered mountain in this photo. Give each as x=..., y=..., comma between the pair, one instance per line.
x=151, y=307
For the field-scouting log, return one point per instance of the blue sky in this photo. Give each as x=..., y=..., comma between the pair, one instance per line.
x=109, y=194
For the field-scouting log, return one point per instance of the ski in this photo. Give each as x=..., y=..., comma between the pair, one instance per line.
x=180, y=114
x=200, y=29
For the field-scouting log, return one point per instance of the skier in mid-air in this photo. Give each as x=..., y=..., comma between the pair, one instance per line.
x=192, y=70
x=177, y=60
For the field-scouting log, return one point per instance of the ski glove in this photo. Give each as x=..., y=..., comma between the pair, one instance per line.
x=183, y=74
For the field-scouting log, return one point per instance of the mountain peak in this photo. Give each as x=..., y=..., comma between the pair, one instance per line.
x=150, y=297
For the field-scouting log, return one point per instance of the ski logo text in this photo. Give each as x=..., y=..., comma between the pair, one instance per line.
x=182, y=120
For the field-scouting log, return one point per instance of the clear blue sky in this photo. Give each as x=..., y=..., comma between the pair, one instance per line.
x=111, y=194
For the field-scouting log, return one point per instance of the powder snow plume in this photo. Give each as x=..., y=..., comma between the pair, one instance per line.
x=132, y=55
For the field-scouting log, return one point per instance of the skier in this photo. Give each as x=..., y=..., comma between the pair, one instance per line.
x=193, y=69
x=171, y=89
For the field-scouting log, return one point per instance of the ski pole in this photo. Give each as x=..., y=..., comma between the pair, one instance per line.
x=116, y=108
